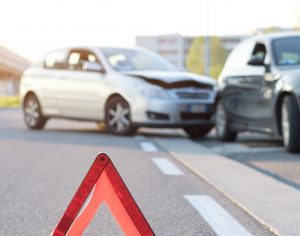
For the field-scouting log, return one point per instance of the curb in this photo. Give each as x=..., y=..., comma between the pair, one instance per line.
x=259, y=195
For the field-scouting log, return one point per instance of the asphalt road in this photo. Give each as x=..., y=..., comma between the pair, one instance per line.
x=41, y=170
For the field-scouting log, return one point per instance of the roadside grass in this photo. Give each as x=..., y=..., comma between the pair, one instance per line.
x=12, y=101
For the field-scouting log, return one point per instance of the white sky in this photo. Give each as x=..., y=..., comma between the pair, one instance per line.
x=32, y=27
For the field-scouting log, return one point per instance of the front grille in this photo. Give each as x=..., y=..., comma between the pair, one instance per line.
x=195, y=116
x=197, y=95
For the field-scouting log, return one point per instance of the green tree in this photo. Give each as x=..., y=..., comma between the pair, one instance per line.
x=195, y=58
x=272, y=29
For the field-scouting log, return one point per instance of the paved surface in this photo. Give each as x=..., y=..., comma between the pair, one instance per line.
x=270, y=201
x=258, y=151
x=40, y=171
x=261, y=152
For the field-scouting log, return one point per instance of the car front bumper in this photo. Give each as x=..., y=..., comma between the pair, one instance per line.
x=166, y=113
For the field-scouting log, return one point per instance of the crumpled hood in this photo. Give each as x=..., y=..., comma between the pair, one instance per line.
x=176, y=79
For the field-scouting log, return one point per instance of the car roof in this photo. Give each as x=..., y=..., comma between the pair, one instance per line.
x=123, y=48
x=277, y=35
x=96, y=48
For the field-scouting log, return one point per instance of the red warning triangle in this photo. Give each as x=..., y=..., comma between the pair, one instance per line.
x=104, y=184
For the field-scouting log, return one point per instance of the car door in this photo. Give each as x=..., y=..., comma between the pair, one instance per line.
x=48, y=81
x=264, y=107
x=83, y=91
x=244, y=84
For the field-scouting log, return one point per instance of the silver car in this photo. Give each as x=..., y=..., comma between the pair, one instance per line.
x=125, y=88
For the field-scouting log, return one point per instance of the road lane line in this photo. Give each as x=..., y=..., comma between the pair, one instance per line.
x=166, y=166
x=220, y=220
x=148, y=147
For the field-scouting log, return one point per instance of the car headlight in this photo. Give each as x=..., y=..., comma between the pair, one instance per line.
x=152, y=91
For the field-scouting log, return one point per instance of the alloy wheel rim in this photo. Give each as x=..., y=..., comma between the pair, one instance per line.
x=31, y=112
x=220, y=120
x=119, y=117
x=285, y=125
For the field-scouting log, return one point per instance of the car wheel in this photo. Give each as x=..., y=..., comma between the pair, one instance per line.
x=198, y=131
x=32, y=111
x=117, y=117
x=224, y=133
x=290, y=117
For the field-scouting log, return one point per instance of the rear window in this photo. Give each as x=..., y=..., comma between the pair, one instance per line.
x=287, y=51
x=56, y=60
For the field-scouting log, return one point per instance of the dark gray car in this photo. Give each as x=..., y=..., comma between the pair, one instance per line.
x=259, y=89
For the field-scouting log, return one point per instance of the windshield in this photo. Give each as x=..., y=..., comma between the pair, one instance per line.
x=134, y=60
x=287, y=51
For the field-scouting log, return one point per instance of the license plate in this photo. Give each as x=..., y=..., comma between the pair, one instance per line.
x=197, y=108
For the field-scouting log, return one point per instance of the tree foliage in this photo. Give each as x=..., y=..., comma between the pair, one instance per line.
x=195, y=58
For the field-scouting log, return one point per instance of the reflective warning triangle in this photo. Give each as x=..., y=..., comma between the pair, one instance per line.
x=103, y=184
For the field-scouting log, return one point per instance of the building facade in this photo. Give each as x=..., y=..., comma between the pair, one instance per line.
x=11, y=69
x=174, y=47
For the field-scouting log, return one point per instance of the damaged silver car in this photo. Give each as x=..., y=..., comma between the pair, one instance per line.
x=125, y=88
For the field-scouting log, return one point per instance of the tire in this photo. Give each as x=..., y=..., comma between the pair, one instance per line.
x=33, y=116
x=198, y=131
x=222, y=124
x=117, y=117
x=290, y=125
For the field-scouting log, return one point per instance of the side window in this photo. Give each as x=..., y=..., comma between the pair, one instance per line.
x=56, y=60
x=239, y=56
x=78, y=57
x=287, y=51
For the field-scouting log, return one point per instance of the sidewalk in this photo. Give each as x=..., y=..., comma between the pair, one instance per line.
x=266, y=199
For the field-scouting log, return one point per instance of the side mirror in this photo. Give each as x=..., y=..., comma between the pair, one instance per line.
x=92, y=67
x=256, y=61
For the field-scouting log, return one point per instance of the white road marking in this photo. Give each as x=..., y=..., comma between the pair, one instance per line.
x=166, y=166
x=220, y=221
x=148, y=147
